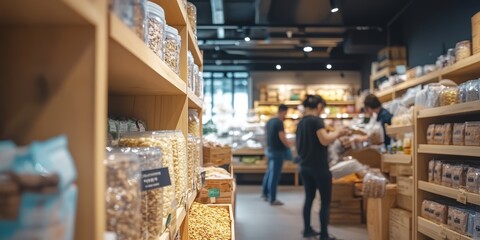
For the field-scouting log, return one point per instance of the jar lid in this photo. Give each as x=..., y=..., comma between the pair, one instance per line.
x=153, y=7
x=171, y=30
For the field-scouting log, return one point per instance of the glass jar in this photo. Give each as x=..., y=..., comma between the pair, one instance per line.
x=199, y=86
x=192, y=17
x=463, y=50
x=150, y=158
x=472, y=90
x=179, y=146
x=195, y=78
x=448, y=96
x=462, y=93
x=132, y=13
x=156, y=29
x=193, y=122
x=433, y=95
x=162, y=140
x=190, y=65
x=451, y=56
x=173, y=44
x=122, y=195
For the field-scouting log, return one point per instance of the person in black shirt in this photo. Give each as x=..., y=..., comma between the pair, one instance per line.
x=312, y=140
x=373, y=105
x=278, y=149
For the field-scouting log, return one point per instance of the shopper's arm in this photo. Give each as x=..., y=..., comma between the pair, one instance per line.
x=326, y=138
x=283, y=138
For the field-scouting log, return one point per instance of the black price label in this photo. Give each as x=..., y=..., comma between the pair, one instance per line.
x=155, y=178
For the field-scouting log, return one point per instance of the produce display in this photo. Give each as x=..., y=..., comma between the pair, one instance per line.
x=156, y=29
x=450, y=174
x=164, y=141
x=206, y=222
x=123, y=201
x=217, y=173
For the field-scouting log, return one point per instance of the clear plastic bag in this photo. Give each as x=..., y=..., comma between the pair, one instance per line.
x=193, y=122
x=374, y=184
x=473, y=180
x=122, y=195
x=345, y=168
x=462, y=93
x=190, y=70
x=473, y=90
x=449, y=96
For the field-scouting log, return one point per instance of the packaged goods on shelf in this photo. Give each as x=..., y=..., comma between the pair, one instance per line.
x=38, y=194
x=429, y=97
x=374, y=184
x=193, y=151
x=118, y=126
x=473, y=180
x=472, y=134
x=447, y=172
x=173, y=44
x=150, y=160
x=132, y=13
x=190, y=70
x=123, y=202
x=156, y=29
x=192, y=17
x=458, y=137
x=472, y=90
x=434, y=211
x=462, y=50
x=205, y=221
x=193, y=122
x=164, y=141
x=199, y=85
x=448, y=96
x=180, y=166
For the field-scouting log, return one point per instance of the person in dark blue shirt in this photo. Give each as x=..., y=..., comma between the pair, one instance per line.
x=278, y=149
x=312, y=140
x=373, y=105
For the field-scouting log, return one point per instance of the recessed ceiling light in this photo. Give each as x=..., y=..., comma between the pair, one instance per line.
x=333, y=6
x=278, y=67
x=307, y=49
x=329, y=66
x=334, y=10
x=247, y=39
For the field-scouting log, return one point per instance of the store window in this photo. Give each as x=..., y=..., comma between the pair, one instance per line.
x=226, y=94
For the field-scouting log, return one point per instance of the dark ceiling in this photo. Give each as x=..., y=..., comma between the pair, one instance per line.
x=279, y=29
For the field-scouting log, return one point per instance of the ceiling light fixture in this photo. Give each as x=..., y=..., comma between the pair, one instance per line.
x=329, y=66
x=247, y=39
x=278, y=67
x=307, y=49
x=333, y=6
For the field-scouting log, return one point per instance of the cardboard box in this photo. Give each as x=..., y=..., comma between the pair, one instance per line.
x=405, y=185
x=476, y=33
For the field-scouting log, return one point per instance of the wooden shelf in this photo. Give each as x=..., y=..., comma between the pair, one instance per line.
x=194, y=101
x=398, y=158
x=249, y=152
x=437, y=231
x=181, y=214
x=382, y=73
x=193, y=47
x=427, y=78
x=134, y=69
x=471, y=151
x=261, y=168
x=448, y=192
x=467, y=67
x=175, y=12
x=399, y=130
x=457, y=109
x=297, y=102
x=49, y=12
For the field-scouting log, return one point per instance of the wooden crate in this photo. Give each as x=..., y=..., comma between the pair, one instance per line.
x=342, y=191
x=346, y=212
x=378, y=214
x=400, y=224
x=232, y=219
x=404, y=170
x=405, y=185
x=216, y=156
x=404, y=202
x=225, y=186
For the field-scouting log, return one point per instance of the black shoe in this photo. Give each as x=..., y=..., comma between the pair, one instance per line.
x=276, y=203
x=310, y=233
x=328, y=238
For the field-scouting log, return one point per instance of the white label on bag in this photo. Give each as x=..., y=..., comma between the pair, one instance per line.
x=123, y=127
x=113, y=127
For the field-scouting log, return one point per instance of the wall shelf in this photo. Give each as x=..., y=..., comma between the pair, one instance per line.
x=471, y=151
x=466, y=68
x=427, y=78
x=175, y=12
x=437, y=231
x=193, y=100
x=193, y=47
x=457, y=109
x=134, y=69
x=448, y=192
x=399, y=130
x=398, y=158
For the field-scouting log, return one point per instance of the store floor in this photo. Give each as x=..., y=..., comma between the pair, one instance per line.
x=257, y=220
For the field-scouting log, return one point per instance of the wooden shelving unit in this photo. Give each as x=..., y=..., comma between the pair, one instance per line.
x=394, y=131
x=398, y=158
x=438, y=231
x=461, y=71
x=74, y=63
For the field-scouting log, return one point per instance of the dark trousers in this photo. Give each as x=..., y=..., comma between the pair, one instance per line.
x=272, y=175
x=313, y=180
